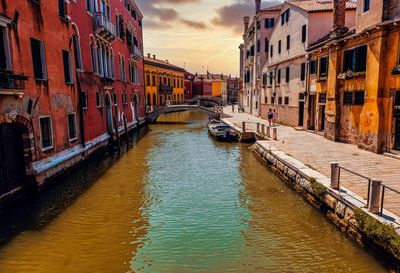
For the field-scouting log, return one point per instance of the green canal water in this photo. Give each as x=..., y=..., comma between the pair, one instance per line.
x=177, y=201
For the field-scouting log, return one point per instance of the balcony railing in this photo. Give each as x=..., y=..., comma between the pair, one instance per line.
x=103, y=27
x=11, y=84
x=165, y=88
x=135, y=52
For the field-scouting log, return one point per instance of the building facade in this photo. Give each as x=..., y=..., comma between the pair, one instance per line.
x=164, y=81
x=232, y=89
x=189, y=79
x=358, y=100
x=300, y=23
x=255, y=53
x=108, y=46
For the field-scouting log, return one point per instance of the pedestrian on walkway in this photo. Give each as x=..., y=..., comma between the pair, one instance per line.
x=270, y=116
x=274, y=117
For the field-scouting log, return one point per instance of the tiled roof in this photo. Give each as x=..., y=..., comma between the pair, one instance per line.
x=273, y=8
x=320, y=5
x=163, y=64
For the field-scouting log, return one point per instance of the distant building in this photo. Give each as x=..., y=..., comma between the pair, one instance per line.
x=232, y=89
x=189, y=81
x=164, y=81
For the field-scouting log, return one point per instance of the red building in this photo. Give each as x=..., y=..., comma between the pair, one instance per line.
x=38, y=95
x=202, y=85
x=107, y=37
x=189, y=80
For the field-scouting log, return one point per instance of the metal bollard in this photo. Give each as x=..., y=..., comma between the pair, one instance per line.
x=275, y=133
x=244, y=127
x=335, y=176
x=375, y=197
x=258, y=127
x=268, y=131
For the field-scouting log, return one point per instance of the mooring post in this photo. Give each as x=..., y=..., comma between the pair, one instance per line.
x=269, y=131
x=375, y=197
x=244, y=127
x=335, y=176
x=258, y=127
x=263, y=129
x=275, y=133
x=198, y=103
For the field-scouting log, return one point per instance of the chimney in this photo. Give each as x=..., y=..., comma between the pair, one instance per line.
x=148, y=55
x=339, y=17
x=154, y=57
x=246, y=21
x=258, y=6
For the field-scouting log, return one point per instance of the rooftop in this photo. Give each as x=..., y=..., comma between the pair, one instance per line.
x=164, y=64
x=320, y=5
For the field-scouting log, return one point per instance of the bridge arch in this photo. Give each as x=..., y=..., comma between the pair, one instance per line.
x=212, y=113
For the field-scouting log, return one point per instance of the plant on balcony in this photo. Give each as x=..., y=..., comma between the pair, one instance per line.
x=351, y=75
x=396, y=70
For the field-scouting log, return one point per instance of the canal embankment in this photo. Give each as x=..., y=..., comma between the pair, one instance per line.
x=296, y=156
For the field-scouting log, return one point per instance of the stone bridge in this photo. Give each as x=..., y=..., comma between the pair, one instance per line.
x=213, y=112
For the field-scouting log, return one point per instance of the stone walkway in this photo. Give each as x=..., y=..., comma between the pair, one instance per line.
x=317, y=153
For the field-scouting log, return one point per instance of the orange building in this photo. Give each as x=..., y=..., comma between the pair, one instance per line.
x=353, y=84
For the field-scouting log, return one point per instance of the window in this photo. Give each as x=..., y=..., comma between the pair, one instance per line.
x=258, y=45
x=269, y=22
x=46, y=133
x=67, y=67
x=347, y=97
x=93, y=53
x=359, y=97
x=272, y=100
x=115, y=98
x=286, y=100
x=90, y=5
x=303, y=72
x=355, y=59
x=5, y=57
x=287, y=15
x=61, y=9
x=313, y=67
x=279, y=76
x=154, y=80
x=282, y=19
x=72, y=127
x=99, y=102
x=272, y=51
x=279, y=47
x=271, y=77
x=266, y=45
x=366, y=5
x=84, y=100
x=265, y=99
x=287, y=74
x=323, y=67
x=77, y=52
x=148, y=79
x=288, y=42
x=38, y=59
x=303, y=33
x=279, y=100
x=265, y=79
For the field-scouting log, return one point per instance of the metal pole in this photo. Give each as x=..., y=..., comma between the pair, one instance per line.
x=335, y=176
x=375, y=197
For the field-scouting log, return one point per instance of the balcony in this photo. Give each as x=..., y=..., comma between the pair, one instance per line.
x=11, y=84
x=165, y=88
x=103, y=27
x=135, y=52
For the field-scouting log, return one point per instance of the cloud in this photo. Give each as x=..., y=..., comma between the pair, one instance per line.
x=231, y=16
x=160, y=15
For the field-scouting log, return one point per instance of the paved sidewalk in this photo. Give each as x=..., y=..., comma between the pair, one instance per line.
x=317, y=152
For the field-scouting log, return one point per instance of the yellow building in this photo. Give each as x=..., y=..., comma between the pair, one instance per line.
x=164, y=81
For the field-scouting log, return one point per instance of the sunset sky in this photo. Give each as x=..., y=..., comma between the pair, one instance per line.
x=197, y=34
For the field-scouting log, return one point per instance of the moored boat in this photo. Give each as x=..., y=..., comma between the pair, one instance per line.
x=221, y=131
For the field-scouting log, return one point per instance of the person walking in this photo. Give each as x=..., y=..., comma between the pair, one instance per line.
x=270, y=116
x=233, y=108
x=274, y=117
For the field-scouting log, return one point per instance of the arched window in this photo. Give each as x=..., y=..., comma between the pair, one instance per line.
x=77, y=48
x=94, y=57
x=100, y=58
x=154, y=99
x=148, y=99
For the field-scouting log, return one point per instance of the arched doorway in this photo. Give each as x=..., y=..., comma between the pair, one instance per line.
x=12, y=157
x=109, y=115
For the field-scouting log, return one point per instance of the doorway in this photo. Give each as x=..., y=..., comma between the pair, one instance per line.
x=109, y=115
x=322, y=117
x=12, y=163
x=301, y=113
x=311, y=112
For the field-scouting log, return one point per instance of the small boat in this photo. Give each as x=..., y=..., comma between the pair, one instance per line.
x=221, y=131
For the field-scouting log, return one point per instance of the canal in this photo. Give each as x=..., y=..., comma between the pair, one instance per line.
x=177, y=201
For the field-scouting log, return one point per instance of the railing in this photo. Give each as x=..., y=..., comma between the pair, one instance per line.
x=10, y=81
x=262, y=129
x=376, y=188
x=101, y=22
x=135, y=52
